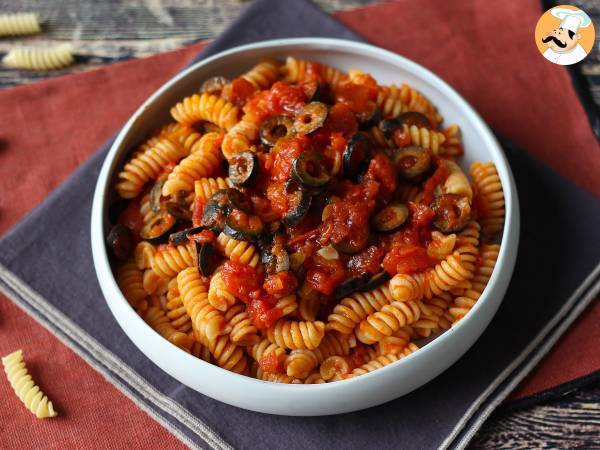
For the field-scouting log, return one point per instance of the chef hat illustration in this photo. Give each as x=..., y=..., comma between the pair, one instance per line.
x=571, y=20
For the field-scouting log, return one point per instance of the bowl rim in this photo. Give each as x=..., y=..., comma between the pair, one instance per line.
x=505, y=262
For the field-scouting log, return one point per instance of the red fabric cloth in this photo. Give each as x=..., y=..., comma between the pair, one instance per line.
x=49, y=128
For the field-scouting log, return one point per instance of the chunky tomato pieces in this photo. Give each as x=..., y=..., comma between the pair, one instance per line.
x=282, y=98
x=241, y=280
x=438, y=178
x=286, y=151
x=407, y=259
x=347, y=225
x=280, y=284
x=263, y=312
x=382, y=170
x=367, y=261
x=324, y=275
x=270, y=363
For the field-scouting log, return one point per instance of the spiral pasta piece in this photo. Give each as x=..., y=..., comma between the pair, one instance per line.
x=263, y=75
x=351, y=310
x=204, y=159
x=294, y=71
x=314, y=378
x=146, y=165
x=177, y=313
x=300, y=363
x=385, y=322
x=40, y=59
x=158, y=320
x=25, y=388
x=143, y=254
x=378, y=363
x=335, y=368
x=462, y=304
x=206, y=107
x=467, y=244
x=207, y=321
x=153, y=283
x=425, y=138
x=296, y=335
x=240, y=138
x=445, y=276
x=131, y=282
x=394, y=344
x=184, y=135
x=287, y=305
x=239, y=251
x=201, y=351
x=404, y=287
x=228, y=355
x=334, y=344
x=452, y=146
x=276, y=377
x=171, y=259
x=434, y=315
x=205, y=188
x=487, y=182
x=308, y=308
x=263, y=349
x=243, y=330
x=19, y=24
x=218, y=295
x=394, y=100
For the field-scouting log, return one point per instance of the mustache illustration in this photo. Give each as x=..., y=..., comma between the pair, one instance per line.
x=556, y=41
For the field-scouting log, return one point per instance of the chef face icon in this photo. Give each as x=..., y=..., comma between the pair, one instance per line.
x=564, y=35
x=561, y=40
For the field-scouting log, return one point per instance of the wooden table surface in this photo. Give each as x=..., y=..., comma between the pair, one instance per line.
x=573, y=421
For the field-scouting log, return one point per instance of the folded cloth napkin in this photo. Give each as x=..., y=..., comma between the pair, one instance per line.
x=57, y=284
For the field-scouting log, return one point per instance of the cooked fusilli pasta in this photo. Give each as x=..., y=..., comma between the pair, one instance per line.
x=206, y=107
x=486, y=179
x=297, y=192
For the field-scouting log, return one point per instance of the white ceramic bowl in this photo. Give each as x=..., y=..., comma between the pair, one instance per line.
x=361, y=392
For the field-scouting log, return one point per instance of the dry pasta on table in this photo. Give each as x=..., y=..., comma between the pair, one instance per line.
x=299, y=224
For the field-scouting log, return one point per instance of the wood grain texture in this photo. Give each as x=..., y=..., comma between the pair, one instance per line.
x=112, y=30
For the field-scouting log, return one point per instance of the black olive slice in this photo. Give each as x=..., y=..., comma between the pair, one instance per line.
x=215, y=210
x=180, y=212
x=414, y=118
x=357, y=156
x=120, y=241
x=275, y=128
x=157, y=227
x=347, y=247
x=318, y=92
x=181, y=237
x=275, y=262
x=208, y=258
x=376, y=280
x=239, y=200
x=411, y=162
x=214, y=85
x=351, y=285
x=155, y=195
x=309, y=169
x=116, y=208
x=244, y=168
x=390, y=218
x=310, y=118
x=300, y=201
x=369, y=118
x=242, y=226
x=452, y=212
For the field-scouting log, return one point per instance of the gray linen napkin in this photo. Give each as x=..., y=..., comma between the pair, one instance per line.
x=559, y=248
